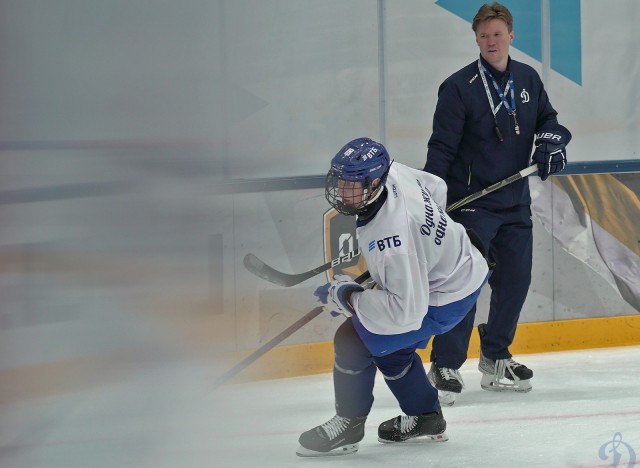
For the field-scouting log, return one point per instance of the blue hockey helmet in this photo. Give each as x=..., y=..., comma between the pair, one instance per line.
x=357, y=175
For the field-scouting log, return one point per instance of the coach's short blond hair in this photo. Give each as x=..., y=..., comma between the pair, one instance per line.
x=490, y=12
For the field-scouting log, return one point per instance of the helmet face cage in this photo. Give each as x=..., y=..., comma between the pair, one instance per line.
x=347, y=197
x=348, y=185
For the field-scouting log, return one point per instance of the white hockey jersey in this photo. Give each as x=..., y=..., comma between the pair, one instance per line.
x=416, y=254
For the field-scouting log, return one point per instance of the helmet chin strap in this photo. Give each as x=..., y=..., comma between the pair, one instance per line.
x=375, y=196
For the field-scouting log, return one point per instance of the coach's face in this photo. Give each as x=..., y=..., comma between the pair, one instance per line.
x=493, y=39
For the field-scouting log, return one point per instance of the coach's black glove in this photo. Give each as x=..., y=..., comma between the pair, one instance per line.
x=550, y=154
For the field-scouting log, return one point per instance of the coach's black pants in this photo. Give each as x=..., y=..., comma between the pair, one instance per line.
x=508, y=236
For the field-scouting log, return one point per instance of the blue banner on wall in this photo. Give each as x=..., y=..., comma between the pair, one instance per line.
x=565, y=30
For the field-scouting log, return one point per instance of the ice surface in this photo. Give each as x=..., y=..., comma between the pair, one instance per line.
x=170, y=417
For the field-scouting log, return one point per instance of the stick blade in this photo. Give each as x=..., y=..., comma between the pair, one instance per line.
x=264, y=271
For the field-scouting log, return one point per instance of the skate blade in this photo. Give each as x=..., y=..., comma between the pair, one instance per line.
x=418, y=440
x=446, y=398
x=523, y=386
x=344, y=450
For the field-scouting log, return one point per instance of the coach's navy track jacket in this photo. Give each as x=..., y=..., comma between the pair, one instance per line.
x=464, y=148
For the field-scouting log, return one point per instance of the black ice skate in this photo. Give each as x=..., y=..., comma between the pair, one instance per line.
x=447, y=381
x=502, y=375
x=426, y=427
x=338, y=436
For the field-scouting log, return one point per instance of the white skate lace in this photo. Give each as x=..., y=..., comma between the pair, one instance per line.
x=448, y=374
x=503, y=365
x=335, y=426
x=407, y=422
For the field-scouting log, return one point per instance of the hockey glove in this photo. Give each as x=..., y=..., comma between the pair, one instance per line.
x=338, y=290
x=322, y=292
x=550, y=154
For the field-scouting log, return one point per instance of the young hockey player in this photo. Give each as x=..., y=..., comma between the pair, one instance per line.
x=428, y=275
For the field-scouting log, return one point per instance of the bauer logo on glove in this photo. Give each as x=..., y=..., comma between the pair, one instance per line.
x=550, y=154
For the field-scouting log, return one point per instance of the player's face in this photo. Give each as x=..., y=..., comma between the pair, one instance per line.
x=350, y=192
x=493, y=39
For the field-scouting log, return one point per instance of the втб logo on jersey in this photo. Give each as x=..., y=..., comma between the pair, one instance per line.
x=386, y=243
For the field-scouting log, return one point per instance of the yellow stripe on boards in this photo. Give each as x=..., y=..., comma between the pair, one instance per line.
x=536, y=337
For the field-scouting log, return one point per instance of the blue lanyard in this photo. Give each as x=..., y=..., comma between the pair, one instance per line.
x=510, y=108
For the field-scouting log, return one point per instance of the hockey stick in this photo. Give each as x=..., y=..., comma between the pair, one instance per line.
x=264, y=271
x=492, y=188
x=278, y=339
